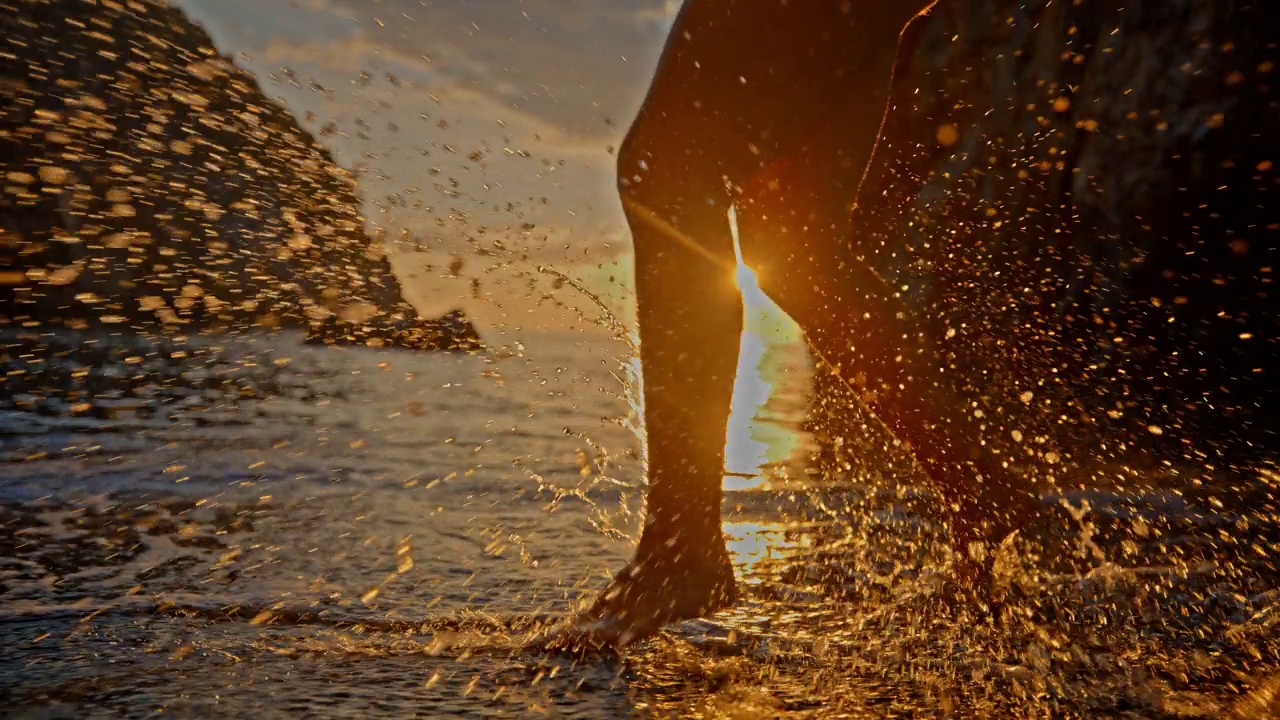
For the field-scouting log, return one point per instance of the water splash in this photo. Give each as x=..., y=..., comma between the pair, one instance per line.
x=207, y=513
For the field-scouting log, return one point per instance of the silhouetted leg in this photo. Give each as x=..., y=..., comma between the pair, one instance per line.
x=739, y=85
x=896, y=367
x=690, y=318
x=690, y=321
x=796, y=234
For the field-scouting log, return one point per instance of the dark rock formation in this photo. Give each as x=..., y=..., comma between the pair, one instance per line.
x=102, y=380
x=451, y=331
x=1081, y=198
x=147, y=180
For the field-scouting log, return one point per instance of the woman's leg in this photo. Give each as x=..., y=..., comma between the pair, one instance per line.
x=797, y=236
x=739, y=84
x=690, y=318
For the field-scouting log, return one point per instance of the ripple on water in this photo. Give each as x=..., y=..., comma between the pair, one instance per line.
x=347, y=578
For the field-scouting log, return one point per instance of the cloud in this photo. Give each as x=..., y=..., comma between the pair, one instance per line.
x=582, y=65
x=659, y=17
x=574, y=62
x=495, y=106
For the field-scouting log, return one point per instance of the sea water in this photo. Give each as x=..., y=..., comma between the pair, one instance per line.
x=360, y=532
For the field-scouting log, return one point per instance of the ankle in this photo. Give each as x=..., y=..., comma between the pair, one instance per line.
x=682, y=550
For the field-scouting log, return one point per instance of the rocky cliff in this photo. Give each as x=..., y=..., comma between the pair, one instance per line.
x=146, y=179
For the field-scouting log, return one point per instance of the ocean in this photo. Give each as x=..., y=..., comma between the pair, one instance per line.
x=249, y=526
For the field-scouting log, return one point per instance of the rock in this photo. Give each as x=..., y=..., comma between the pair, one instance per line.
x=149, y=181
x=452, y=331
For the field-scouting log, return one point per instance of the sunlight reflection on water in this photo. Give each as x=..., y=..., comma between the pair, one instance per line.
x=752, y=543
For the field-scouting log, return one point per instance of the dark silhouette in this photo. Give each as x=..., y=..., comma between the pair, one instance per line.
x=1067, y=239
x=1056, y=228
x=774, y=109
x=452, y=331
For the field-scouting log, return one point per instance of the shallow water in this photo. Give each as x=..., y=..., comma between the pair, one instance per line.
x=352, y=532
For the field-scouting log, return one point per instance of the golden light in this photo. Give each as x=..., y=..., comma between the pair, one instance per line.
x=745, y=454
x=744, y=276
x=751, y=446
x=752, y=543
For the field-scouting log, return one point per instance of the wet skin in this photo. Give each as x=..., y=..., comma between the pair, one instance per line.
x=774, y=109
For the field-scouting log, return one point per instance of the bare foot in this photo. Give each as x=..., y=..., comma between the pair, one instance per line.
x=643, y=598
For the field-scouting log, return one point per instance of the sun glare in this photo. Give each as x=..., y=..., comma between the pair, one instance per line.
x=750, y=448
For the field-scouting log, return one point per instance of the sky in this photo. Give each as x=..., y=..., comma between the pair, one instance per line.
x=481, y=130
x=484, y=131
